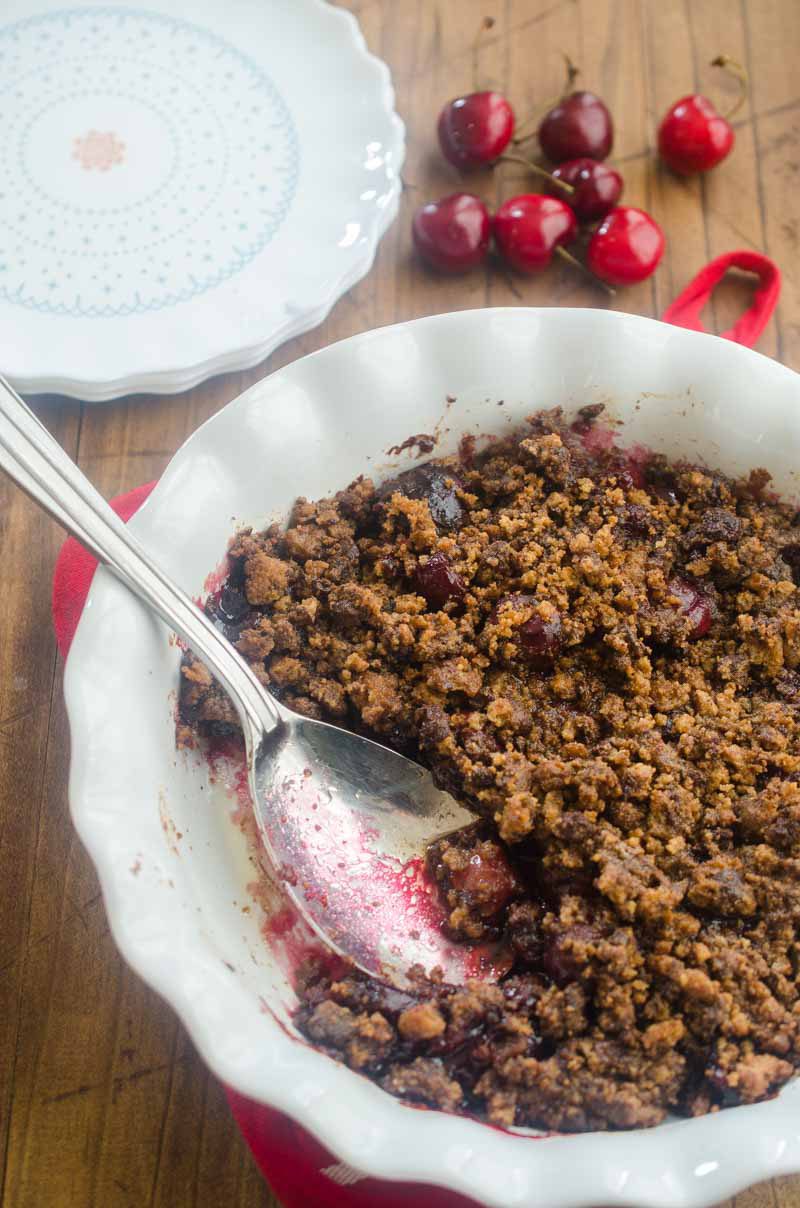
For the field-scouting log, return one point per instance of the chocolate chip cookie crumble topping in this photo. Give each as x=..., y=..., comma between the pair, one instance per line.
x=599, y=654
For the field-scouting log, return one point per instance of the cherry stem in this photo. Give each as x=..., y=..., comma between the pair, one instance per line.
x=529, y=121
x=507, y=276
x=573, y=260
x=741, y=76
x=572, y=73
x=486, y=24
x=571, y=76
x=536, y=169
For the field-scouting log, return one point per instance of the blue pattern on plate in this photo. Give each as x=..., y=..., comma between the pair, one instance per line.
x=89, y=236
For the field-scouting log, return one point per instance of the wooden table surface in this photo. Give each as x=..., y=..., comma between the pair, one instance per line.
x=103, y=1100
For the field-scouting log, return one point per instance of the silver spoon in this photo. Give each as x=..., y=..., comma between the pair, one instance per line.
x=344, y=820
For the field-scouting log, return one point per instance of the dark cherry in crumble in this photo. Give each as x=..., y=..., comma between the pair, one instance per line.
x=599, y=654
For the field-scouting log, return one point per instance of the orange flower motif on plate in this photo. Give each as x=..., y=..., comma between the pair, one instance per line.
x=99, y=151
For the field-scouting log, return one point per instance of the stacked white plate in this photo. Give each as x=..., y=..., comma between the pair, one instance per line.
x=179, y=196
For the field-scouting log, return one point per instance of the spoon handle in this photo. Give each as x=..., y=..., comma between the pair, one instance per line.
x=38, y=464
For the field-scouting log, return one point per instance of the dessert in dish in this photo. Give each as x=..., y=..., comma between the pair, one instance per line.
x=597, y=652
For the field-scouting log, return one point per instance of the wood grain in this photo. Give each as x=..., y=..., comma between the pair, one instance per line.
x=103, y=1101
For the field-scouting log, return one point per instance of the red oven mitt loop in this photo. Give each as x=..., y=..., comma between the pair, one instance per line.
x=685, y=310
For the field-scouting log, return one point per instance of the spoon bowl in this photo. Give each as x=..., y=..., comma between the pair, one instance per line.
x=344, y=820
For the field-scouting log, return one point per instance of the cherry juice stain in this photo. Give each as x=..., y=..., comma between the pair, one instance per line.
x=383, y=911
x=423, y=442
x=339, y=868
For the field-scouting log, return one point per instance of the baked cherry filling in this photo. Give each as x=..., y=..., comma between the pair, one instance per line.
x=598, y=652
x=434, y=485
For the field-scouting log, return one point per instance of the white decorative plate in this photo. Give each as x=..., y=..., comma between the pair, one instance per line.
x=172, y=865
x=182, y=187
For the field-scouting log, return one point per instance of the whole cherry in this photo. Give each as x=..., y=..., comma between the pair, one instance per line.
x=538, y=639
x=597, y=187
x=452, y=235
x=691, y=603
x=439, y=488
x=627, y=247
x=437, y=582
x=475, y=129
x=578, y=126
x=693, y=135
x=488, y=880
x=530, y=228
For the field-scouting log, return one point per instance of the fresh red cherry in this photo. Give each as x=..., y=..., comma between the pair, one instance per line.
x=597, y=187
x=692, y=605
x=579, y=125
x=475, y=129
x=694, y=137
x=452, y=234
x=528, y=229
x=626, y=247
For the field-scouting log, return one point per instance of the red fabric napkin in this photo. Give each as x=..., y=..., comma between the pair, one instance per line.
x=300, y=1170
